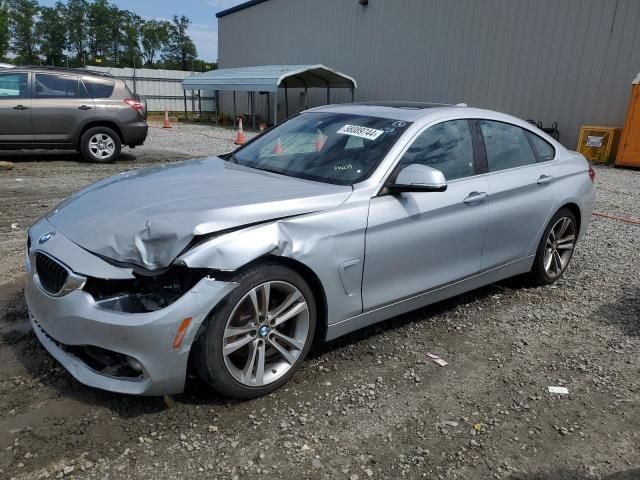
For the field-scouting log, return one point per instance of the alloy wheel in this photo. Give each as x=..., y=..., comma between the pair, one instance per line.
x=265, y=333
x=559, y=246
x=102, y=146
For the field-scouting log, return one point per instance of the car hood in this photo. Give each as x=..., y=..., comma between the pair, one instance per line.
x=148, y=217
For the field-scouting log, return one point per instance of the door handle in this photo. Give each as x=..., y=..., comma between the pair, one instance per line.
x=544, y=179
x=20, y=107
x=475, y=198
x=84, y=107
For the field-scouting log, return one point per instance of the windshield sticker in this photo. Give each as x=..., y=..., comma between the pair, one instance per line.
x=362, y=132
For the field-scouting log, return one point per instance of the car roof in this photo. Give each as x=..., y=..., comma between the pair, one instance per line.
x=414, y=111
x=396, y=110
x=421, y=112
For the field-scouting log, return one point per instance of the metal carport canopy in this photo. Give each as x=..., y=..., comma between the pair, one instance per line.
x=268, y=78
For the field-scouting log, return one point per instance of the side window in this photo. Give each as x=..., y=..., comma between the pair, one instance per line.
x=58, y=86
x=506, y=146
x=543, y=149
x=13, y=85
x=447, y=147
x=99, y=87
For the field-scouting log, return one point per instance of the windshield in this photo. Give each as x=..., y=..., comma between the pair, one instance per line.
x=328, y=147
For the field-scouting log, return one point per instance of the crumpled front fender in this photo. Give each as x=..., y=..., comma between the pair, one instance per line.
x=330, y=244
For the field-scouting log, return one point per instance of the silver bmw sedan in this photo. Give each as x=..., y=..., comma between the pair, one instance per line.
x=338, y=218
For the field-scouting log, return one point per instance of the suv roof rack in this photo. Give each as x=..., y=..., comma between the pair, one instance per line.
x=68, y=69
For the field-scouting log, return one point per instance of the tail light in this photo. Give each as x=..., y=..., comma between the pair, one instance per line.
x=592, y=174
x=136, y=105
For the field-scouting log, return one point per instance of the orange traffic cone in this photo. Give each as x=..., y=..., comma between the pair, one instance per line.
x=278, y=148
x=166, y=123
x=240, y=137
x=319, y=140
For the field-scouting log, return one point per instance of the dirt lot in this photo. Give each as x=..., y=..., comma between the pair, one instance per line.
x=371, y=405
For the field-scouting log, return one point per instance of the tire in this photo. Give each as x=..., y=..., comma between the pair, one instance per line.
x=544, y=270
x=235, y=371
x=100, y=145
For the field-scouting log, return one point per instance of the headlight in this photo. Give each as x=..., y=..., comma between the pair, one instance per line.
x=144, y=293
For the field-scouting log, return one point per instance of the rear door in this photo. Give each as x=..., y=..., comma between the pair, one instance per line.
x=60, y=105
x=522, y=190
x=15, y=108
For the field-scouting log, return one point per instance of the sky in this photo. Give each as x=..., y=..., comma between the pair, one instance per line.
x=202, y=13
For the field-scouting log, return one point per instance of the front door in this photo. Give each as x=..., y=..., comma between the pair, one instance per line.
x=60, y=106
x=15, y=108
x=419, y=241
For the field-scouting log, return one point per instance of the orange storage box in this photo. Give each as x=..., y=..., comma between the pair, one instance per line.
x=629, y=152
x=599, y=144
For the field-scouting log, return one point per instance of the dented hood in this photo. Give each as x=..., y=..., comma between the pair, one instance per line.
x=148, y=217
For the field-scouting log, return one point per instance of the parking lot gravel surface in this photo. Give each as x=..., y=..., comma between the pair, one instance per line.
x=371, y=405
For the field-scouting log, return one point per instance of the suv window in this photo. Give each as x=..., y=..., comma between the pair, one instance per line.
x=13, y=85
x=506, y=146
x=58, y=86
x=99, y=87
x=543, y=149
x=446, y=146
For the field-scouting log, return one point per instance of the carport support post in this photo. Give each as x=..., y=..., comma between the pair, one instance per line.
x=185, y=104
x=253, y=110
x=328, y=95
x=200, y=104
x=353, y=94
x=234, y=109
x=217, y=107
x=306, y=97
x=275, y=107
x=286, y=101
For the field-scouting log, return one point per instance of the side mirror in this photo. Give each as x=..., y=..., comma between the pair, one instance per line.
x=418, y=178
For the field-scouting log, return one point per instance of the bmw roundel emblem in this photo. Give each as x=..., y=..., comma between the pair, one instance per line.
x=46, y=237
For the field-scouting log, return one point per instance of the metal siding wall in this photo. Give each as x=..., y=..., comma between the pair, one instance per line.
x=159, y=88
x=550, y=60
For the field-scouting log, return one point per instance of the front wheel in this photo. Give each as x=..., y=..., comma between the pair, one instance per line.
x=555, y=248
x=100, y=145
x=258, y=336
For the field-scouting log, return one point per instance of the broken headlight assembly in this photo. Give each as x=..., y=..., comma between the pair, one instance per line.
x=144, y=293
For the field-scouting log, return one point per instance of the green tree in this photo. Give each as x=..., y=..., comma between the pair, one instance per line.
x=155, y=35
x=51, y=29
x=130, y=27
x=180, y=51
x=22, y=27
x=77, y=29
x=101, y=18
x=4, y=29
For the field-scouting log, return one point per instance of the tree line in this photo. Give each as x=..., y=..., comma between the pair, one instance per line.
x=93, y=32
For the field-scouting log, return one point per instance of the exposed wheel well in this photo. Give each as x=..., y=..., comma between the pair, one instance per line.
x=316, y=285
x=576, y=212
x=107, y=124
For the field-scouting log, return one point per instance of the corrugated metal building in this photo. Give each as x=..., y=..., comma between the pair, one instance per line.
x=568, y=61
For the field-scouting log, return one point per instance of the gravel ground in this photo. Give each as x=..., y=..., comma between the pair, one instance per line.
x=370, y=405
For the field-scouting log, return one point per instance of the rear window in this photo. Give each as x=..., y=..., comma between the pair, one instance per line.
x=99, y=87
x=58, y=86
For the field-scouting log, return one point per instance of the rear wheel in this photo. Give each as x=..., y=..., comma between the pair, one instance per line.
x=100, y=145
x=259, y=335
x=555, y=248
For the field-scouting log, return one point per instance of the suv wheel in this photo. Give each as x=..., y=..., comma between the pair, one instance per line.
x=100, y=144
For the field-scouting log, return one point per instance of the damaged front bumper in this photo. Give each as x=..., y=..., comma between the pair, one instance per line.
x=132, y=353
